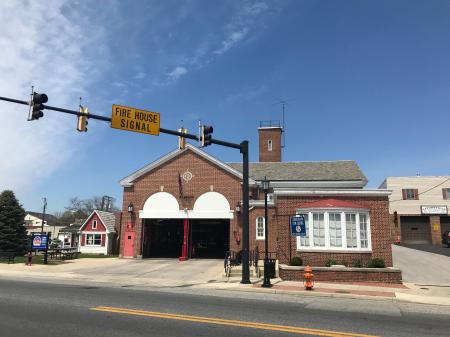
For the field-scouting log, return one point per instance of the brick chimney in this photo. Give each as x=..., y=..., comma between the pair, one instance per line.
x=270, y=143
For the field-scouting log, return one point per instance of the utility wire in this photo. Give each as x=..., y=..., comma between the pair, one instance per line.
x=428, y=190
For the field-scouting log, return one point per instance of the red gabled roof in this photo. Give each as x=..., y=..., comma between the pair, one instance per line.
x=330, y=203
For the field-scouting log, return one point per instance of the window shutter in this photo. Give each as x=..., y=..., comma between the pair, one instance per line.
x=444, y=194
x=404, y=194
x=83, y=238
x=416, y=194
x=103, y=240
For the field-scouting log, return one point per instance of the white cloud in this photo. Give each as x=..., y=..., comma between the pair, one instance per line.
x=43, y=46
x=231, y=40
x=177, y=72
x=241, y=23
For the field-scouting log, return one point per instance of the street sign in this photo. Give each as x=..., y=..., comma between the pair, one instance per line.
x=39, y=241
x=298, y=227
x=131, y=119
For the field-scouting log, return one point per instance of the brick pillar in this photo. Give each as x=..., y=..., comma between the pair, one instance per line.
x=435, y=224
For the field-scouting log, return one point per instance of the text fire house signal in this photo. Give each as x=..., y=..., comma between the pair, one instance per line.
x=131, y=119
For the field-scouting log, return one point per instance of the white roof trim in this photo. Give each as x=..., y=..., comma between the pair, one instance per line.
x=361, y=192
x=89, y=217
x=325, y=184
x=188, y=214
x=260, y=203
x=128, y=181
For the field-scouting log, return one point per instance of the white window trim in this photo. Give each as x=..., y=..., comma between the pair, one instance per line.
x=94, y=224
x=93, y=245
x=258, y=237
x=327, y=247
x=269, y=145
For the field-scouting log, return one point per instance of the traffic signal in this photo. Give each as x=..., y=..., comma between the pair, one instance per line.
x=82, y=119
x=206, y=135
x=182, y=140
x=37, y=105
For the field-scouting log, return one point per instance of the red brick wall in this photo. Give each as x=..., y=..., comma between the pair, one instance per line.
x=380, y=231
x=275, y=135
x=333, y=275
x=205, y=174
x=88, y=226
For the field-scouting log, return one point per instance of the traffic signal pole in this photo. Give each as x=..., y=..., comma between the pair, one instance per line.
x=243, y=148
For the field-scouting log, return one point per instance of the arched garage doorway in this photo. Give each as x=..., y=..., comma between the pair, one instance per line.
x=206, y=226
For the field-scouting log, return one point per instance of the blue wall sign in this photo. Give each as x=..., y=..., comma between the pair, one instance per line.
x=39, y=241
x=298, y=227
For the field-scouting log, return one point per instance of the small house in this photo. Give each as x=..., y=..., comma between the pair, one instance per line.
x=98, y=233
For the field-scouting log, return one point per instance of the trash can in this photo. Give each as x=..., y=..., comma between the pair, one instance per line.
x=271, y=268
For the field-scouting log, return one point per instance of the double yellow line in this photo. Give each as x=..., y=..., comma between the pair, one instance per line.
x=230, y=322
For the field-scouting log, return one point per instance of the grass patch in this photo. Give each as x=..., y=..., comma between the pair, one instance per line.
x=37, y=259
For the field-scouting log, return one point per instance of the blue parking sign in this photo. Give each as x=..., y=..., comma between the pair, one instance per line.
x=298, y=227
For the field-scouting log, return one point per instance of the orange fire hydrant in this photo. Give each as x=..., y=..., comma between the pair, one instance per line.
x=308, y=275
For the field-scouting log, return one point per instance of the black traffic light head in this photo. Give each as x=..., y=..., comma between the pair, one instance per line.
x=206, y=135
x=37, y=105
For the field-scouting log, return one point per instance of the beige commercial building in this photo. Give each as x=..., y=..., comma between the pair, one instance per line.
x=419, y=208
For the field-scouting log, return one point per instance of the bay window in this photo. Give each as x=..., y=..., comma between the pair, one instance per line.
x=336, y=230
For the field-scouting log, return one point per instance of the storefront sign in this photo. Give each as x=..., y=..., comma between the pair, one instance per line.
x=434, y=209
x=39, y=241
x=298, y=227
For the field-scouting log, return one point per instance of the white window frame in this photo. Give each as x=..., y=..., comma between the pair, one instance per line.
x=301, y=244
x=93, y=240
x=94, y=224
x=261, y=237
x=269, y=145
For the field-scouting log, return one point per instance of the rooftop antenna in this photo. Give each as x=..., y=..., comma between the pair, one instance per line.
x=283, y=103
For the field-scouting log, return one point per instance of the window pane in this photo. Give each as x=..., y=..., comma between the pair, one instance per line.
x=363, y=235
x=304, y=240
x=335, y=230
x=89, y=239
x=98, y=239
x=318, y=230
x=260, y=227
x=350, y=222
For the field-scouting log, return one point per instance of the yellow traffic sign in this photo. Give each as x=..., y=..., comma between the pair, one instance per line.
x=131, y=119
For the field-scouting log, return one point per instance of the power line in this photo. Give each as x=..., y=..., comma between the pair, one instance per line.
x=428, y=190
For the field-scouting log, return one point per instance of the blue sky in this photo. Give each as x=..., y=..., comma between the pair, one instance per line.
x=363, y=80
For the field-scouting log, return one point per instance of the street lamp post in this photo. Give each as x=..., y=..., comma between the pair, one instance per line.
x=42, y=230
x=266, y=283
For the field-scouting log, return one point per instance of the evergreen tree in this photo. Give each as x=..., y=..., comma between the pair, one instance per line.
x=12, y=231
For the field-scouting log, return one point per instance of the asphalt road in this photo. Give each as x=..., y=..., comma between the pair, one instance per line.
x=45, y=309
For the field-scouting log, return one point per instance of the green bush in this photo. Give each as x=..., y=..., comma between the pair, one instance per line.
x=330, y=263
x=358, y=264
x=344, y=263
x=376, y=263
x=296, y=261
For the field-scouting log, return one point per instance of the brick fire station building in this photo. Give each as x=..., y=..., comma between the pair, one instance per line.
x=190, y=193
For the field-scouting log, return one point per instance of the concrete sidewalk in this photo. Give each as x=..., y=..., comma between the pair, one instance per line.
x=208, y=274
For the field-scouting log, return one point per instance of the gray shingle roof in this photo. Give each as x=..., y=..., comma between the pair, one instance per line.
x=305, y=171
x=109, y=219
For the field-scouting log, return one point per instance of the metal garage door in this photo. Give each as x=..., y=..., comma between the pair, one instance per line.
x=445, y=223
x=415, y=229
